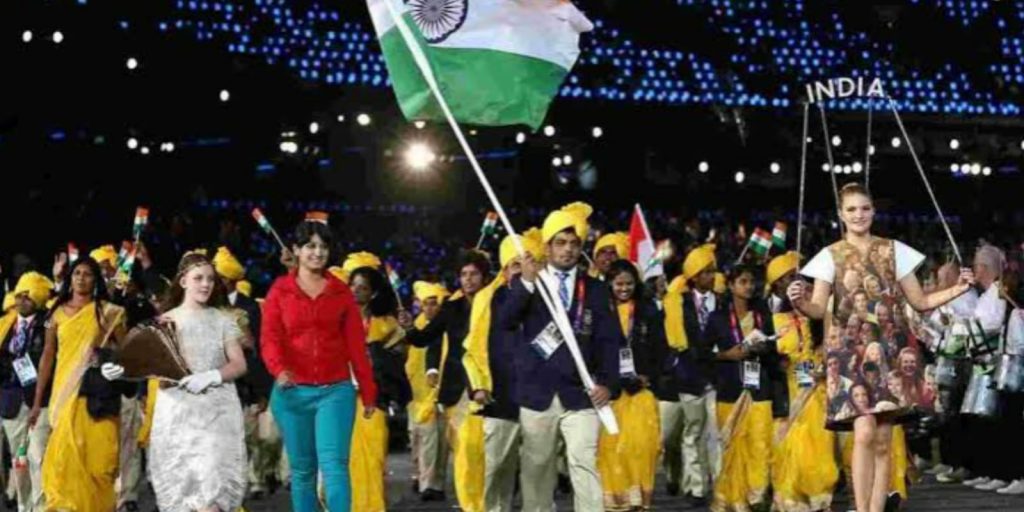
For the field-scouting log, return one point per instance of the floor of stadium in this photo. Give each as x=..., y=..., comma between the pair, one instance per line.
x=924, y=497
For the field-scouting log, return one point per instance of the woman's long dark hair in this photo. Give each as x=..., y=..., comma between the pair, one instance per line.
x=625, y=266
x=176, y=294
x=383, y=302
x=99, y=290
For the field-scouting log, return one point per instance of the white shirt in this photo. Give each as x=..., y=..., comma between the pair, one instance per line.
x=551, y=280
x=990, y=311
x=710, y=301
x=823, y=267
x=233, y=297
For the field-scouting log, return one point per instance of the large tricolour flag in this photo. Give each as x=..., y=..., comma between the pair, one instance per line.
x=498, y=62
x=642, y=251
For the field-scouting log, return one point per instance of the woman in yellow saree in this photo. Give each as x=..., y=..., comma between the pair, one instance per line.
x=369, y=452
x=81, y=461
x=802, y=478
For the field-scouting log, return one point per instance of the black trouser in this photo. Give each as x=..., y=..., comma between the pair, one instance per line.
x=997, y=443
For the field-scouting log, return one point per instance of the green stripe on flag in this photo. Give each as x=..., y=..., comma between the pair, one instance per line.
x=471, y=80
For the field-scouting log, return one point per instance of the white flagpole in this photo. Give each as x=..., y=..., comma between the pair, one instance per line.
x=555, y=308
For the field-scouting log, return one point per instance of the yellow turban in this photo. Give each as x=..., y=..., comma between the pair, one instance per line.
x=678, y=285
x=698, y=260
x=425, y=291
x=8, y=301
x=782, y=265
x=105, y=253
x=227, y=265
x=36, y=285
x=618, y=240
x=532, y=243
x=338, y=272
x=244, y=287
x=359, y=260
x=720, y=285
x=574, y=216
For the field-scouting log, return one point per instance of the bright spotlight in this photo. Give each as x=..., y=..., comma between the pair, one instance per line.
x=775, y=167
x=170, y=147
x=314, y=127
x=954, y=167
x=132, y=63
x=896, y=142
x=420, y=124
x=58, y=36
x=824, y=167
x=871, y=149
x=26, y=36
x=703, y=167
x=225, y=95
x=144, y=150
x=954, y=144
x=740, y=177
x=567, y=159
x=858, y=167
x=847, y=169
x=520, y=138
x=986, y=171
x=556, y=161
x=597, y=132
x=419, y=156
x=133, y=143
x=549, y=130
x=290, y=147
x=363, y=119
x=836, y=140
x=341, y=118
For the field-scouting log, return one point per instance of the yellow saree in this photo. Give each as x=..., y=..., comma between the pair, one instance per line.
x=81, y=461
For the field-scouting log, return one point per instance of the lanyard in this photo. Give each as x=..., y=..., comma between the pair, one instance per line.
x=795, y=320
x=734, y=324
x=581, y=297
x=629, y=324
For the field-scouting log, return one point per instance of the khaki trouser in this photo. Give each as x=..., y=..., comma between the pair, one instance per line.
x=29, y=490
x=683, y=433
x=430, y=451
x=130, y=479
x=502, y=439
x=541, y=431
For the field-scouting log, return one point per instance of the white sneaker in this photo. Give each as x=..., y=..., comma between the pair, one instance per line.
x=1014, y=489
x=957, y=475
x=939, y=469
x=981, y=480
x=921, y=463
x=993, y=485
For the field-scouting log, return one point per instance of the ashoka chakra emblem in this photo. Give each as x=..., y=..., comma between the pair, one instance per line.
x=438, y=19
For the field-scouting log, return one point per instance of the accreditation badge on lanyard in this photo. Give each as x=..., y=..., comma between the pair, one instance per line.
x=804, y=377
x=627, y=367
x=751, y=370
x=550, y=339
x=25, y=370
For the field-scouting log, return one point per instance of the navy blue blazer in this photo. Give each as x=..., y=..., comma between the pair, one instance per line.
x=597, y=331
x=691, y=370
x=501, y=354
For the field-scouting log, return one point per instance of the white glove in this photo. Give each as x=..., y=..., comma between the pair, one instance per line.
x=111, y=371
x=755, y=337
x=199, y=382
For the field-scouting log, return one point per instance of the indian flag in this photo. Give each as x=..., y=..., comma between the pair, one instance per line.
x=141, y=219
x=72, y=253
x=761, y=241
x=779, y=235
x=498, y=62
x=490, y=225
x=261, y=220
x=393, y=278
x=642, y=251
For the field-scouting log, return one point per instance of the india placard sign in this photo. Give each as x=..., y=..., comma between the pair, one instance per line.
x=845, y=87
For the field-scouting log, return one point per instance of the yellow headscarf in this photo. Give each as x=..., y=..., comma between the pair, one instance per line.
x=106, y=253
x=780, y=266
x=619, y=240
x=574, y=216
x=8, y=301
x=36, y=285
x=698, y=260
x=678, y=285
x=721, y=284
x=354, y=261
x=244, y=287
x=227, y=266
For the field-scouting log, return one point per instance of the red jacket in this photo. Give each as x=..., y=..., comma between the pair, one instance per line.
x=316, y=339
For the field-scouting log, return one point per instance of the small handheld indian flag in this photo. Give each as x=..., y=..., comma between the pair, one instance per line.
x=761, y=241
x=72, y=252
x=779, y=235
x=141, y=219
x=498, y=62
x=490, y=225
x=393, y=278
x=321, y=217
x=642, y=251
x=122, y=255
x=264, y=224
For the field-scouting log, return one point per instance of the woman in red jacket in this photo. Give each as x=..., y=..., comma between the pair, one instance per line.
x=312, y=335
